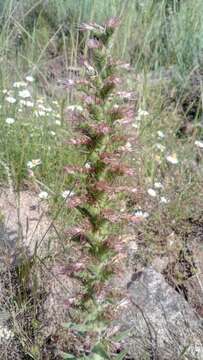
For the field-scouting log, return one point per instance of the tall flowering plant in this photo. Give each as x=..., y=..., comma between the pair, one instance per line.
x=99, y=135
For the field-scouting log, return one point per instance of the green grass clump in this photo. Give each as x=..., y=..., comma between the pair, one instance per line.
x=152, y=34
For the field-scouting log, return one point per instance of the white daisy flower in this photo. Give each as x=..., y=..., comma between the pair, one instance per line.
x=75, y=107
x=127, y=147
x=19, y=84
x=27, y=103
x=163, y=200
x=43, y=195
x=140, y=213
x=57, y=122
x=88, y=165
x=33, y=163
x=142, y=112
x=10, y=121
x=10, y=99
x=48, y=109
x=67, y=193
x=160, y=134
x=24, y=94
x=172, y=159
x=136, y=126
x=40, y=101
x=199, y=144
x=30, y=78
x=151, y=192
x=158, y=185
x=5, y=333
x=41, y=106
x=70, y=82
x=160, y=147
x=39, y=113
x=5, y=91
x=52, y=133
x=44, y=108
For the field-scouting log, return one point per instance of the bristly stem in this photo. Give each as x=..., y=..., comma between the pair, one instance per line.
x=98, y=133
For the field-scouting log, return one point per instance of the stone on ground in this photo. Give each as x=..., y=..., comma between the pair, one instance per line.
x=162, y=324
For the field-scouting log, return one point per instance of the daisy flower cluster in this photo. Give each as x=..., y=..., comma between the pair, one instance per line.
x=20, y=97
x=170, y=157
x=160, y=153
x=156, y=192
x=166, y=152
x=19, y=91
x=141, y=115
x=23, y=111
x=5, y=334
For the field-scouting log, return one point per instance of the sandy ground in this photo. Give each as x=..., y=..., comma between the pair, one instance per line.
x=25, y=220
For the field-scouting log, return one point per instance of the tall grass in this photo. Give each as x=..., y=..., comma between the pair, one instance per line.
x=153, y=33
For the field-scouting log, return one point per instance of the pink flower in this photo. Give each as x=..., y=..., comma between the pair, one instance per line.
x=82, y=140
x=113, y=22
x=122, y=112
x=91, y=100
x=69, y=303
x=125, y=66
x=135, y=219
x=101, y=129
x=126, y=95
x=112, y=81
x=121, y=169
x=102, y=186
x=111, y=216
x=75, y=201
x=93, y=44
x=82, y=82
x=72, y=170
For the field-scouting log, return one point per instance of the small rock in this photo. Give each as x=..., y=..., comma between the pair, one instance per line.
x=161, y=323
x=160, y=263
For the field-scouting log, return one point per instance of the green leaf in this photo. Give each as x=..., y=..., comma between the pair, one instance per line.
x=97, y=357
x=77, y=327
x=67, y=325
x=66, y=356
x=99, y=349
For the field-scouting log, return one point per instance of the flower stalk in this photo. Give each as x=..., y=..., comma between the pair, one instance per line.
x=99, y=135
